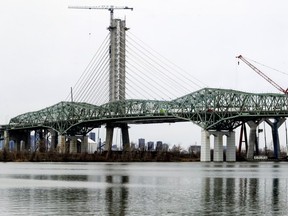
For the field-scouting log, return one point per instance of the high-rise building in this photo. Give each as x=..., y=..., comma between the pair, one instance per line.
x=150, y=146
x=141, y=144
x=159, y=145
x=165, y=147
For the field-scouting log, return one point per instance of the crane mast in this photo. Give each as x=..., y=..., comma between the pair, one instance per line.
x=262, y=74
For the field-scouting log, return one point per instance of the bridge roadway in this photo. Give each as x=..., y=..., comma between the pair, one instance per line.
x=210, y=108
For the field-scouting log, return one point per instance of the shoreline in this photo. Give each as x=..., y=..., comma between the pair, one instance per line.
x=133, y=156
x=112, y=156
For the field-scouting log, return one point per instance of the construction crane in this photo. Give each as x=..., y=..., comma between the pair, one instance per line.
x=111, y=8
x=263, y=75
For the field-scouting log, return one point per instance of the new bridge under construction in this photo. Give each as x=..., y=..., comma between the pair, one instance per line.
x=100, y=98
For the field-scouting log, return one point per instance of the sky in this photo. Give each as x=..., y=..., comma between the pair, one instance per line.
x=45, y=47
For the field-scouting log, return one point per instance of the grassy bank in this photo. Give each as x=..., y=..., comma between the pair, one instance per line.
x=118, y=156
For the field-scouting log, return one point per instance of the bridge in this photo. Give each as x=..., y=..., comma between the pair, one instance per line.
x=214, y=110
x=217, y=111
x=211, y=109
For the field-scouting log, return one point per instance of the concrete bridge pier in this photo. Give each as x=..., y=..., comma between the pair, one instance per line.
x=73, y=144
x=27, y=141
x=205, y=146
x=125, y=137
x=6, y=139
x=54, y=137
x=231, y=147
x=84, y=144
x=252, y=144
x=275, y=135
x=22, y=145
x=218, y=155
x=21, y=139
x=218, y=146
x=61, y=143
x=41, y=139
x=109, y=137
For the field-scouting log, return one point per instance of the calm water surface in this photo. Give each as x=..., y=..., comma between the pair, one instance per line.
x=144, y=188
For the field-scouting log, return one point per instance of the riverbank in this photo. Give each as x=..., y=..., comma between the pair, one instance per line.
x=113, y=156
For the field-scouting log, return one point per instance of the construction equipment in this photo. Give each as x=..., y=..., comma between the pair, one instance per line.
x=262, y=74
x=111, y=8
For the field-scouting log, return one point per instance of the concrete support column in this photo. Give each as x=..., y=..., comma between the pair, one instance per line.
x=28, y=141
x=16, y=139
x=231, y=147
x=53, y=143
x=109, y=137
x=2, y=138
x=73, y=144
x=125, y=137
x=205, y=146
x=41, y=141
x=22, y=145
x=252, y=139
x=218, y=147
x=84, y=145
x=61, y=143
x=275, y=135
x=20, y=138
x=6, y=139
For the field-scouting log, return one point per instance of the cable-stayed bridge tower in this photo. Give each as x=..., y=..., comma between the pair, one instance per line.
x=117, y=72
x=117, y=52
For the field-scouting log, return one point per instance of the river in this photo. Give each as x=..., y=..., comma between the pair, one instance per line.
x=193, y=188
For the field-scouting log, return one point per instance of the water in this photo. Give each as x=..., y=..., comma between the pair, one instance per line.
x=144, y=188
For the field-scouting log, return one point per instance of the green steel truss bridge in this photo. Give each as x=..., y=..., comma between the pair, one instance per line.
x=211, y=109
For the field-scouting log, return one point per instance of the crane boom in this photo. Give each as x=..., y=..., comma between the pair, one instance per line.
x=111, y=8
x=262, y=74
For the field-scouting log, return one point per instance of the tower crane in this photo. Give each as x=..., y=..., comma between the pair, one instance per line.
x=111, y=8
x=263, y=75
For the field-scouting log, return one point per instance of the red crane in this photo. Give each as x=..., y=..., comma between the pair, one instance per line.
x=263, y=75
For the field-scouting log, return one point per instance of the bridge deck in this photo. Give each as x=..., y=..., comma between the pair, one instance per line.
x=214, y=109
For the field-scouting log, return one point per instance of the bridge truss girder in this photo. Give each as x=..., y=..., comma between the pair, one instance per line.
x=211, y=109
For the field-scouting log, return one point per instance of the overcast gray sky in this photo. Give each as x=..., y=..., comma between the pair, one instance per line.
x=45, y=47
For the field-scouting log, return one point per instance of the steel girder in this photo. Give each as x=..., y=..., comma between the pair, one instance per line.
x=222, y=109
x=211, y=109
x=72, y=117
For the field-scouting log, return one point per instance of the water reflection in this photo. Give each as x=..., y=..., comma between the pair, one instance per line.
x=242, y=192
x=230, y=191
x=249, y=195
x=42, y=201
x=253, y=196
x=116, y=196
x=48, y=177
x=144, y=189
x=275, y=195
